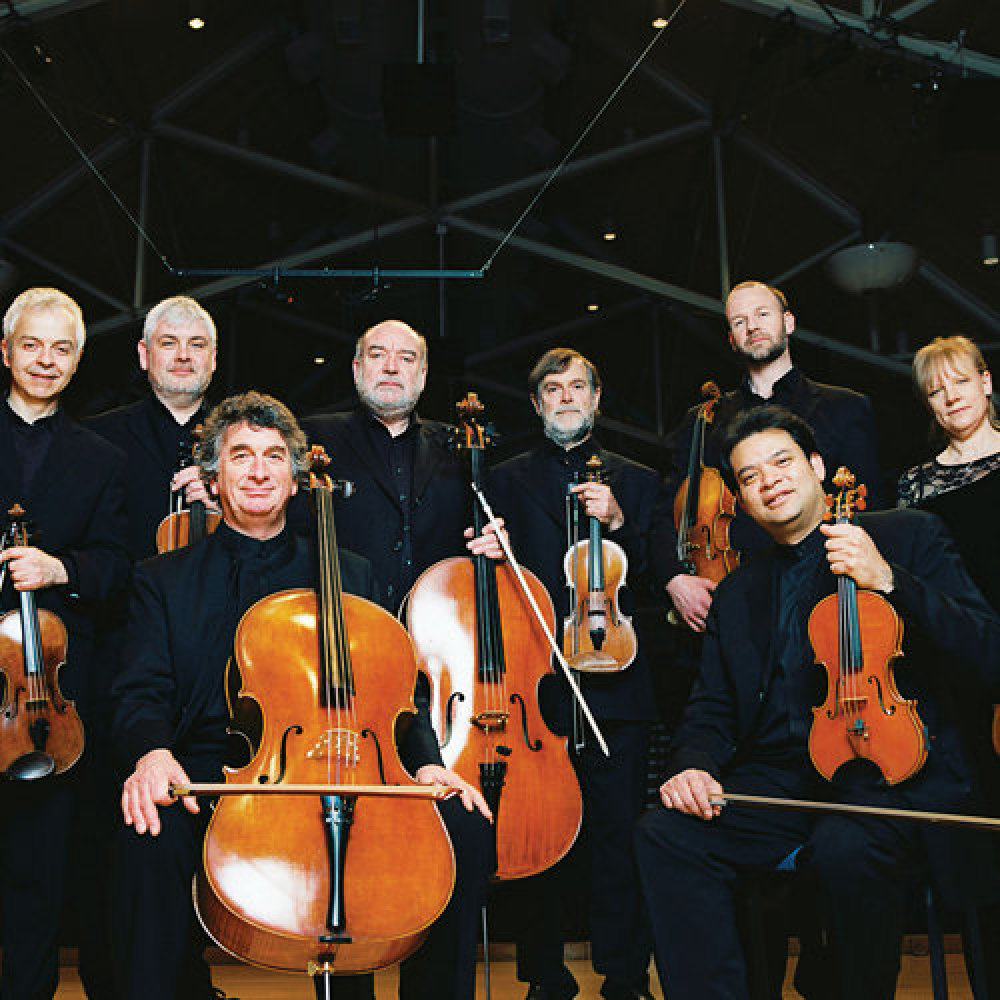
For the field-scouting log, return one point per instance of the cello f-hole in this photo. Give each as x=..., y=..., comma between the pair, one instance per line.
x=282, y=755
x=533, y=745
x=365, y=733
x=449, y=716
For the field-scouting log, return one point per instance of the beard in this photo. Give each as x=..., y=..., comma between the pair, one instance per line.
x=189, y=386
x=764, y=355
x=566, y=436
x=402, y=406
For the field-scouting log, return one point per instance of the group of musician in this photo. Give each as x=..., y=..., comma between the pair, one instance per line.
x=150, y=638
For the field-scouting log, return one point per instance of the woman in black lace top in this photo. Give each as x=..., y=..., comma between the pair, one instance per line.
x=962, y=482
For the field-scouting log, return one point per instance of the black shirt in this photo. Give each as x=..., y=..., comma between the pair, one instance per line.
x=32, y=441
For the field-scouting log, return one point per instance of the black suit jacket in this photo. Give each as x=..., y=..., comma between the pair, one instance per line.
x=182, y=622
x=370, y=521
x=536, y=520
x=950, y=632
x=845, y=435
x=150, y=469
x=75, y=504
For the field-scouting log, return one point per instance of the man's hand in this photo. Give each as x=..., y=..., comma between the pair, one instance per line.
x=148, y=786
x=600, y=502
x=434, y=774
x=851, y=552
x=487, y=544
x=692, y=597
x=189, y=480
x=33, y=569
x=691, y=792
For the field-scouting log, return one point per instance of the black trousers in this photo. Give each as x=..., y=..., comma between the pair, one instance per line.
x=859, y=866
x=35, y=825
x=153, y=922
x=613, y=794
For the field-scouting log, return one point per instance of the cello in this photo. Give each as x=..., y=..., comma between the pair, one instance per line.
x=314, y=880
x=40, y=731
x=857, y=636
x=597, y=637
x=485, y=655
x=185, y=525
x=704, y=507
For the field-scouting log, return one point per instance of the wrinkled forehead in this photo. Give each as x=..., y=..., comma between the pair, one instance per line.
x=393, y=335
x=575, y=371
x=253, y=436
x=744, y=301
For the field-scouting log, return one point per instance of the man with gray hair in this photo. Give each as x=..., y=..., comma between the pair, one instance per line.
x=70, y=483
x=177, y=351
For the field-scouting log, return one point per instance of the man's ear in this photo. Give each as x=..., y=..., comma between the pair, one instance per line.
x=819, y=466
x=788, y=317
x=143, y=355
x=534, y=403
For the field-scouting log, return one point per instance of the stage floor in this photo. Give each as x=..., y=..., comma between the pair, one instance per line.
x=253, y=984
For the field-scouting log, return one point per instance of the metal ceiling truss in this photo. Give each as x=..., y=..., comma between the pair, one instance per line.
x=653, y=290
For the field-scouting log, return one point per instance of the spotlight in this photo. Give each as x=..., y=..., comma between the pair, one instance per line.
x=659, y=20
x=196, y=15
x=318, y=360
x=990, y=258
x=592, y=304
x=610, y=231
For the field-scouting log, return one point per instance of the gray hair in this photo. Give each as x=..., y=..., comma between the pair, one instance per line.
x=359, y=347
x=257, y=410
x=46, y=298
x=180, y=310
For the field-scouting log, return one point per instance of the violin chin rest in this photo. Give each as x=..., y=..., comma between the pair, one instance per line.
x=31, y=766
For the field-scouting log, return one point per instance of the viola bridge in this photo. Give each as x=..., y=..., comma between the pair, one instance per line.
x=491, y=722
x=340, y=743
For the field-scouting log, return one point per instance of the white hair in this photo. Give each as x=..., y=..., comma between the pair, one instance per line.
x=46, y=298
x=179, y=310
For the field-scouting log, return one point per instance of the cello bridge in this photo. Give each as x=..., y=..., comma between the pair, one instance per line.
x=339, y=743
x=491, y=722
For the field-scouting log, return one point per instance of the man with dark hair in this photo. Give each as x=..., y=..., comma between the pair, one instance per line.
x=70, y=483
x=745, y=728
x=531, y=490
x=760, y=325
x=171, y=711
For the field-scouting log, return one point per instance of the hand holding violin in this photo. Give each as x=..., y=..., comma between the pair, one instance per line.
x=33, y=569
x=148, y=787
x=692, y=599
x=189, y=480
x=691, y=792
x=600, y=502
x=434, y=774
x=851, y=552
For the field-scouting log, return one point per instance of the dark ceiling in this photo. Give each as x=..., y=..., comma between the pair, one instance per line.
x=269, y=138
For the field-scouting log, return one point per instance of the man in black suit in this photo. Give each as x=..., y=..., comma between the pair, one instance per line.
x=531, y=490
x=70, y=483
x=177, y=351
x=746, y=727
x=760, y=325
x=409, y=509
x=171, y=710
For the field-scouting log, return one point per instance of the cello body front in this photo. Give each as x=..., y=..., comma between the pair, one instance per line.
x=265, y=891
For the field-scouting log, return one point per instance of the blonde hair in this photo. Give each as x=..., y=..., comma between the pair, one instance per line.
x=46, y=298
x=956, y=352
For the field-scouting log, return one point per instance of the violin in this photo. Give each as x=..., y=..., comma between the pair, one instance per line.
x=40, y=731
x=597, y=637
x=704, y=506
x=485, y=656
x=315, y=880
x=184, y=526
x=857, y=637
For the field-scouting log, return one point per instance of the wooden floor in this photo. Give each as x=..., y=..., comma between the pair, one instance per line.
x=252, y=984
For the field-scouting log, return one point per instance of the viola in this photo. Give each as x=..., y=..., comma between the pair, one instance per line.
x=857, y=637
x=40, y=731
x=704, y=506
x=597, y=637
x=485, y=655
x=185, y=525
x=318, y=882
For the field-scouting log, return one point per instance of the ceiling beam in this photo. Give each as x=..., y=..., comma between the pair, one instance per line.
x=667, y=290
x=874, y=33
